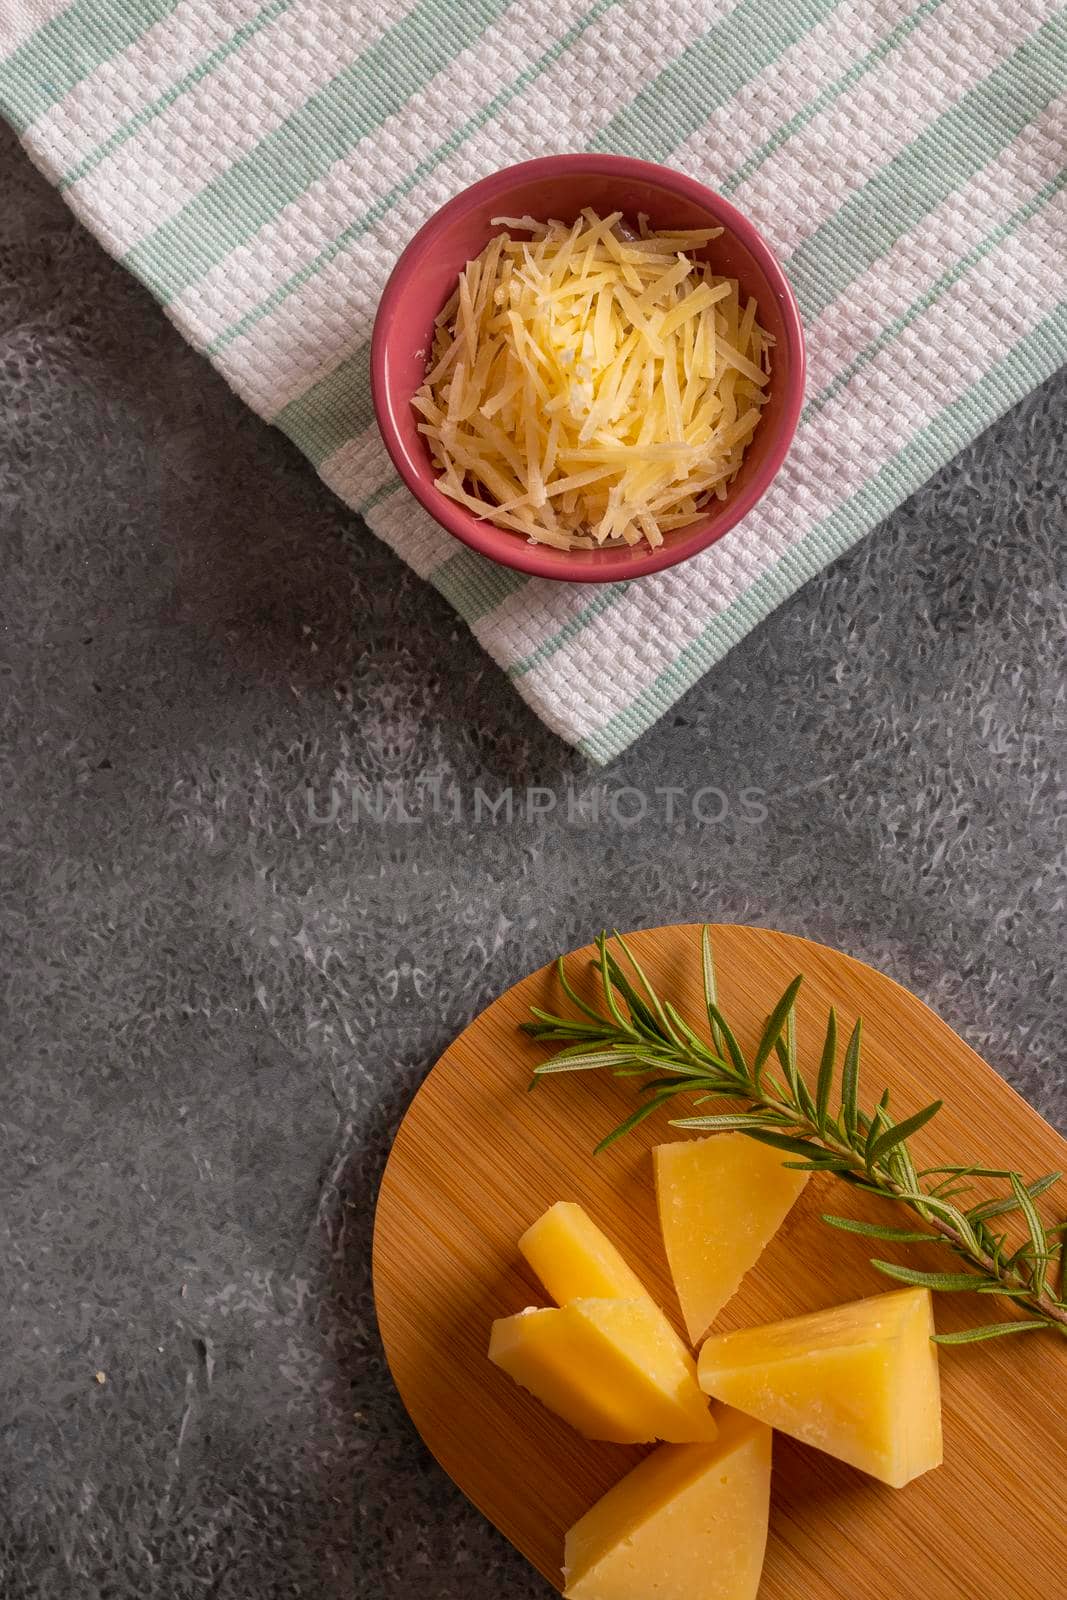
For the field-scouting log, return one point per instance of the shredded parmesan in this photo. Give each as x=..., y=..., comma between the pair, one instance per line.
x=588, y=386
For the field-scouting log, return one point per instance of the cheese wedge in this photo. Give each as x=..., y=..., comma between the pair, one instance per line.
x=721, y=1200
x=688, y=1523
x=608, y=1368
x=575, y=1260
x=859, y=1381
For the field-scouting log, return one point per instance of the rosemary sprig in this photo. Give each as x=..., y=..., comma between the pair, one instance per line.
x=638, y=1034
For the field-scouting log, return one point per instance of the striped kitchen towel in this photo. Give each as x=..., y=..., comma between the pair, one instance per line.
x=261, y=165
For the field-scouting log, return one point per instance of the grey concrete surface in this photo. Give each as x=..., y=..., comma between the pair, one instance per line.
x=217, y=1007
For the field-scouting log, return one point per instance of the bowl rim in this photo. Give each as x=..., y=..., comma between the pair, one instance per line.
x=545, y=561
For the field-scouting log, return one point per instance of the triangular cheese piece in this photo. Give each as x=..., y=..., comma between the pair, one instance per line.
x=859, y=1381
x=608, y=1368
x=688, y=1523
x=575, y=1260
x=721, y=1200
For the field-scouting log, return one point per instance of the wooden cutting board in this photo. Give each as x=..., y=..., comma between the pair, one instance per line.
x=477, y=1158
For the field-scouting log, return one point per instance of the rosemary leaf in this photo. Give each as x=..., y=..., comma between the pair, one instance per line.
x=798, y=1089
x=850, y=1073
x=733, y=1049
x=711, y=990
x=879, y=1121
x=825, y=1081
x=636, y=1067
x=726, y=1089
x=565, y=985
x=642, y=1018
x=1000, y=1208
x=694, y=1041
x=947, y=1282
x=1036, y=1229
x=726, y=1122
x=992, y=1330
x=967, y=1172
x=785, y=1141
x=582, y=1048
x=563, y=1024
x=656, y=1016
x=859, y=1181
x=644, y=1110
x=821, y=1163
x=948, y=1188
x=952, y=1215
x=606, y=964
x=676, y=1085
x=901, y=1131
x=872, y=1230
x=588, y=1061
x=902, y=1167
x=772, y=1032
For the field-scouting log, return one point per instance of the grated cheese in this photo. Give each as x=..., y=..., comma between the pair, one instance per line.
x=590, y=387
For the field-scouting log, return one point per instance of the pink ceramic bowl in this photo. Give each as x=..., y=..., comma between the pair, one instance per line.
x=559, y=186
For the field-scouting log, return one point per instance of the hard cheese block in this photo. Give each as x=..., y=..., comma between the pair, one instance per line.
x=688, y=1523
x=859, y=1381
x=608, y=1368
x=721, y=1200
x=575, y=1260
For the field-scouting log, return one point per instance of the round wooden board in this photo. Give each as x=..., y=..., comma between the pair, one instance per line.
x=477, y=1158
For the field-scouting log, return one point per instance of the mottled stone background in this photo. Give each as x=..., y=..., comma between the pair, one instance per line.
x=217, y=1010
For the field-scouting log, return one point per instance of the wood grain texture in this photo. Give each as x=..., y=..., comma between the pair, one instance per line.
x=477, y=1158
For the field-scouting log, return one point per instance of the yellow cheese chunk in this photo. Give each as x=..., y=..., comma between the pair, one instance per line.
x=575, y=1260
x=859, y=1381
x=607, y=1368
x=721, y=1200
x=688, y=1523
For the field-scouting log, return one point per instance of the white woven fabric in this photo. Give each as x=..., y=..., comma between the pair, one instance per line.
x=260, y=167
